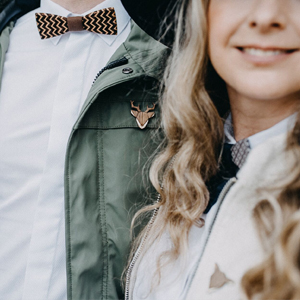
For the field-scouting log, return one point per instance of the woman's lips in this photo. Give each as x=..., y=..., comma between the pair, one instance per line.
x=263, y=56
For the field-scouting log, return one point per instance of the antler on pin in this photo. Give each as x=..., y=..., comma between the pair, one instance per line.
x=150, y=108
x=136, y=107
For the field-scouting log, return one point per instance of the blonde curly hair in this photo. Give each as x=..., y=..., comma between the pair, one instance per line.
x=194, y=101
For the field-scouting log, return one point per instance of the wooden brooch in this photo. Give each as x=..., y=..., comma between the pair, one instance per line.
x=142, y=117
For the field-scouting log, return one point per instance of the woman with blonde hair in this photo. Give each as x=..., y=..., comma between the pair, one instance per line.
x=227, y=223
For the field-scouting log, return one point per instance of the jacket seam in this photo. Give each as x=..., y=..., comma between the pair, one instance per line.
x=104, y=221
x=98, y=189
x=102, y=209
x=69, y=228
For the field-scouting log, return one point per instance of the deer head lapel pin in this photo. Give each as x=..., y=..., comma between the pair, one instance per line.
x=142, y=117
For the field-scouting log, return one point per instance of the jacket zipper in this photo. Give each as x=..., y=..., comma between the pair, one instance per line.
x=139, y=250
x=221, y=198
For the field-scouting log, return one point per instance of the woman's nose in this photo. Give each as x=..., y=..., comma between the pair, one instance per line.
x=267, y=15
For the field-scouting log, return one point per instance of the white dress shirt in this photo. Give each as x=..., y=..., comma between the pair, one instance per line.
x=44, y=85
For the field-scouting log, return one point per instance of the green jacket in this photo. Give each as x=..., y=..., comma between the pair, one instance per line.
x=103, y=169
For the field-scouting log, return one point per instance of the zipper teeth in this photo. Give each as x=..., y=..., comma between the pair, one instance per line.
x=221, y=197
x=139, y=250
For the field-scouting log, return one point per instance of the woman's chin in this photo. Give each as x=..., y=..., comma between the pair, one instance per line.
x=264, y=89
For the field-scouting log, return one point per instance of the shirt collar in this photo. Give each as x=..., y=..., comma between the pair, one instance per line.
x=48, y=6
x=282, y=127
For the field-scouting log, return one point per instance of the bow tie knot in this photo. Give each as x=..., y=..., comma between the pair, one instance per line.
x=102, y=21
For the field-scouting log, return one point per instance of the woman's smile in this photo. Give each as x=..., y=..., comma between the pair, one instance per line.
x=254, y=47
x=264, y=55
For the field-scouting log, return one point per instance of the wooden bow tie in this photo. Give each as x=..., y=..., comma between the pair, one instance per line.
x=102, y=21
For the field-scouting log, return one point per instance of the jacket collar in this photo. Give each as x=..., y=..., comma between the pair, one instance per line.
x=146, y=57
x=281, y=127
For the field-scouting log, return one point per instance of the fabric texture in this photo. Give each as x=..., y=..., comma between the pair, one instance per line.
x=240, y=151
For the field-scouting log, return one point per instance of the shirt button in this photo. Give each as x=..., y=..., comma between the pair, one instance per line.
x=127, y=71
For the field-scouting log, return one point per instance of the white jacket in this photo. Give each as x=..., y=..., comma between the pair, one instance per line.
x=232, y=243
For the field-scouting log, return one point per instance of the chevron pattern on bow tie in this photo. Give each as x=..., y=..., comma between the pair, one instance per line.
x=103, y=22
x=51, y=25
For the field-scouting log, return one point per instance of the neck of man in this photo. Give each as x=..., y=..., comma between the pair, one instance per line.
x=250, y=116
x=78, y=6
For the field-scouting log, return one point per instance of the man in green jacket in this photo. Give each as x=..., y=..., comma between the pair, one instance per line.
x=78, y=111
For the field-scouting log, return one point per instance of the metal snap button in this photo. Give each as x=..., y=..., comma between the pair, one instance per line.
x=127, y=71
